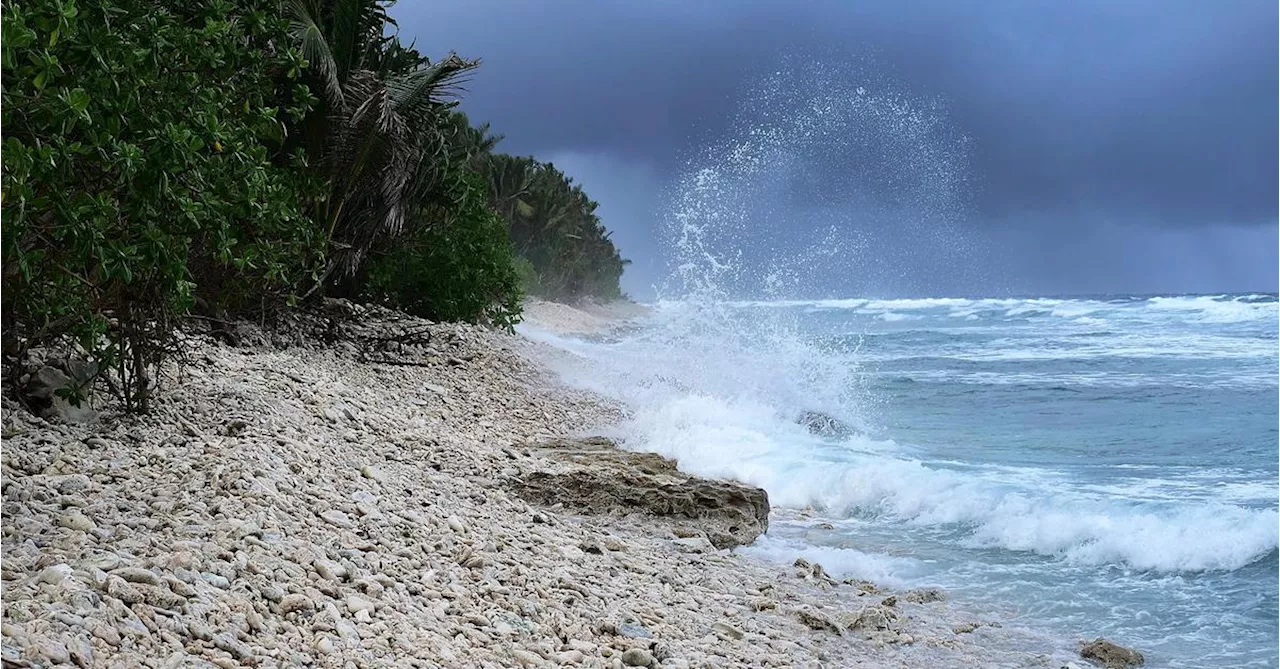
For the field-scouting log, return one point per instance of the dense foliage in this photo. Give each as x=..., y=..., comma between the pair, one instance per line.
x=234, y=158
x=554, y=227
x=456, y=269
x=142, y=171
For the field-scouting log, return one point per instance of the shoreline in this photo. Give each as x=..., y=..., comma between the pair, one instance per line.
x=305, y=506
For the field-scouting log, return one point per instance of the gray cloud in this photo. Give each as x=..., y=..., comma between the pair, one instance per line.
x=1094, y=114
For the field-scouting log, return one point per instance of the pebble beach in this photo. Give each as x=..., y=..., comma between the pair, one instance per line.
x=393, y=504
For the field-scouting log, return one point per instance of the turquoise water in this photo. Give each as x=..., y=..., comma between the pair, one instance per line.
x=1099, y=466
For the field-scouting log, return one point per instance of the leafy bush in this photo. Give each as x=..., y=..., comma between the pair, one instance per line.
x=458, y=269
x=139, y=174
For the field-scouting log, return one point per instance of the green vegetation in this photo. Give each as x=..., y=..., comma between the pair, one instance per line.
x=554, y=227
x=234, y=159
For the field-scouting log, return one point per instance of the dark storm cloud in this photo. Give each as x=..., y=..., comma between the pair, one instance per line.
x=1159, y=111
x=1116, y=146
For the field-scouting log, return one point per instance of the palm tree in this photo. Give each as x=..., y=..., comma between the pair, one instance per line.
x=379, y=135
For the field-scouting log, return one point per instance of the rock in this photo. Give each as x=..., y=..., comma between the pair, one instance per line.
x=570, y=657
x=238, y=649
x=595, y=476
x=216, y=580
x=826, y=425
x=46, y=382
x=54, y=574
x=53, y=651
x=924, y=596
x=103, y=561
x=526, y=659
x=105, y=632
x=44, y=391
x=572, y=553
x=122, y=590
x=75, y=520
x=336, y=518
x=71, y=483
x=357, y=603
x=136, y=575
x=693, y=545
x=613, y=544
x=638, y=657
x=159, y=596
x=329, y=570
x=1110, y=655
x=875, y=617
x=634, y=629
x=81, y=652
x=817, y=621
x=179, y=587
x=296, y=602
x=728, y=630
x=966, y=628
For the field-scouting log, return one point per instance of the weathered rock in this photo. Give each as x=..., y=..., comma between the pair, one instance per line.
x=924, y=596
x=135, y=575
x=875, y=617
x=727, y=630
x=817, y=620
x=967, y=628
x=54, y=574
x=1110, y=655
x=296, y=602
x=75, y=520
x=238, y=649
x=638, y=657
x=693, y=545
x=356, y=603
x=825, y=425
x=594, y=476
x=525, y=658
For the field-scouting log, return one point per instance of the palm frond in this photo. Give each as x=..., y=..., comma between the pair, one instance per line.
x=304, y=24
x=415, y=93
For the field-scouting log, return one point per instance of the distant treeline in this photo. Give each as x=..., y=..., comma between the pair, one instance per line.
x=233, y=158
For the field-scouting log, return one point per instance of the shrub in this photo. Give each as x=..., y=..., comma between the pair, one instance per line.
x=448, y=268
x=139, y=175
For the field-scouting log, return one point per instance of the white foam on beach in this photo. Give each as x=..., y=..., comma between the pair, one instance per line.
x=893, y=572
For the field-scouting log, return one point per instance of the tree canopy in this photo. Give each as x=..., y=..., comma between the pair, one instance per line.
x=238, y=158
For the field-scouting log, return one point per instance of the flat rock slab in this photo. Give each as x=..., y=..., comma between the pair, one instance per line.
x=594, y=476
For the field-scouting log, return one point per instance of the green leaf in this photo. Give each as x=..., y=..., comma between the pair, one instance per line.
x=14, y=35
x=78, y=100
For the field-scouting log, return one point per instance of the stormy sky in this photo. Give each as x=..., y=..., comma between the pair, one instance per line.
x=1042, y=147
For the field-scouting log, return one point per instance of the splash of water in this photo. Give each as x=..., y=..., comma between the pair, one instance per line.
x=831, y=179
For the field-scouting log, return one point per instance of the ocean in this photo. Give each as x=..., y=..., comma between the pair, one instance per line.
x=1076, y=466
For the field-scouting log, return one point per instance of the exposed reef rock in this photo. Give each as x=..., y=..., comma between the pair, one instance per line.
x=1110, y=655
x=595, y=476
x=826, y=425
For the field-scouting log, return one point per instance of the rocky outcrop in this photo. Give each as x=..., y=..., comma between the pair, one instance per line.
x=1110, y=655
x=826, y=425
x=594, y=476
